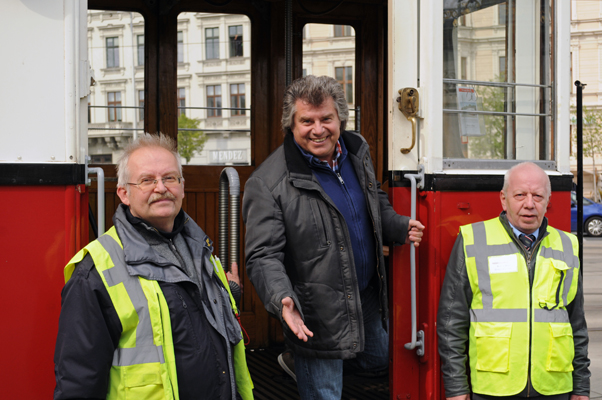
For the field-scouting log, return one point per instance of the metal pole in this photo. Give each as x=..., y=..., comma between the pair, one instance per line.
x=579, y=193
x=229, y=220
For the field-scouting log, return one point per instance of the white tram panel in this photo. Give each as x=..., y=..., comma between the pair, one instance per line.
x=415, y=60
x=45, y=78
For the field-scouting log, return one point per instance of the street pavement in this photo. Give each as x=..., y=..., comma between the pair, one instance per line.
x=592, y=289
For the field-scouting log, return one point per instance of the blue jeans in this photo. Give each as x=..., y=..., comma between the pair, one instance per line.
x=322, y=379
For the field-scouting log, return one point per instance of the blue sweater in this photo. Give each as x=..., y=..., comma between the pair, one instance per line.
x=345, y=191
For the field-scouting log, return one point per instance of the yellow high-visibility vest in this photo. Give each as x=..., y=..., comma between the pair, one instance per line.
x=144, y=364
x=513, y=325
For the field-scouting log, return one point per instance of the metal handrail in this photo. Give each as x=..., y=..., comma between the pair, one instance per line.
x=452, y=111
x=228, y=232
x=496, y=84
x=417, y=336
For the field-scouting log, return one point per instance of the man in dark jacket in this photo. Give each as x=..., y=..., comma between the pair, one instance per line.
x=316, y=224
x=146, y=308
x=513, y=296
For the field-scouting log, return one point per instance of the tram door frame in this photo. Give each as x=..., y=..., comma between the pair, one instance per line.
x=450, y=198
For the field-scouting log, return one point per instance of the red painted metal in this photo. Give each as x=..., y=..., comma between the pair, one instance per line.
x=442, y=213
x=41, y=229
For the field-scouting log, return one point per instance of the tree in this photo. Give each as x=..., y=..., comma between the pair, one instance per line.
x=190, y=141
x=592, y=138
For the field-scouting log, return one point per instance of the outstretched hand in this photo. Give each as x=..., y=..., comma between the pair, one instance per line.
x=414, y=235
x=293, y=319
x=233, y=276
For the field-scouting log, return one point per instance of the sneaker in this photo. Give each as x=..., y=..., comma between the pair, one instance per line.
x=287, y=362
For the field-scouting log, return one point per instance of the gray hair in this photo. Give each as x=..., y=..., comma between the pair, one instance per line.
x=523, y=164
x=313, y=90
x=144, y=140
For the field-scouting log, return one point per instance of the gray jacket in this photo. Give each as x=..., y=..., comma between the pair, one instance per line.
x=453, y=322
x=298, y=246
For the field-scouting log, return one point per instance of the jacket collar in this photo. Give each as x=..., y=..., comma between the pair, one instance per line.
x=138, y=251
x=296, y=163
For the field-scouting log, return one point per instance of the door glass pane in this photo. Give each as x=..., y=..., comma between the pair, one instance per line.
x=214, y=126
x=330, y=50
x=497, y=62
x=116, y=101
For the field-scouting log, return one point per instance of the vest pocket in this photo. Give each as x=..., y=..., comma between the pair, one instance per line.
x=553, y=293
x=493, y=346
x=561, y=350
x=143, y=382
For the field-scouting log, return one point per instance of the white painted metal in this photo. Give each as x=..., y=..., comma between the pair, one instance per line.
x=40, y=102
x=563, y=84
x=402, y=72
x=527, y=71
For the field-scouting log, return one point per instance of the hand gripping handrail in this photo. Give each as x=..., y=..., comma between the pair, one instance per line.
x=229, y=178
x=417, y=336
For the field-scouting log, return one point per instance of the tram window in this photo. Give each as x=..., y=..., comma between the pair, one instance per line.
x=498, y=63
x=330, y=50
x=215, y=123
x=116, y=101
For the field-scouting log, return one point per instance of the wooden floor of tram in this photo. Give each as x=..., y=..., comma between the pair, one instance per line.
x=272, y=383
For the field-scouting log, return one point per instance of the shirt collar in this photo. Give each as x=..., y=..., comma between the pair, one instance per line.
x=341, y=154
x=517, y=233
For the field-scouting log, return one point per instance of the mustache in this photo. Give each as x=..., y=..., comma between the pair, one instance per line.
x=161, y=196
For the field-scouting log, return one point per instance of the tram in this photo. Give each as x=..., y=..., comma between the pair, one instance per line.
x=448, y=93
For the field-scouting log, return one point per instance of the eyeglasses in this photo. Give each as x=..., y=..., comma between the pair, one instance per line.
x=148, y=183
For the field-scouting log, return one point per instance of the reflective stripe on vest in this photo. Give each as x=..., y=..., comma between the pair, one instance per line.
x=506, y=311
x=145, y=350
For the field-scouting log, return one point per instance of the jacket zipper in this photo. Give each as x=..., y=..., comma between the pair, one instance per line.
x=529, y=256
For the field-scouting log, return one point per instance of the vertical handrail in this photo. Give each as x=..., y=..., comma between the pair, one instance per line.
x=579, y=193
x=417, y=336
x=100, y=184
x=228, y=232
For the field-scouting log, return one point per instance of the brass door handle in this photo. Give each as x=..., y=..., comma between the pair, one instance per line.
x=409, y=104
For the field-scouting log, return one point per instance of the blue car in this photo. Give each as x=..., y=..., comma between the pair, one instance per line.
x=592, y=216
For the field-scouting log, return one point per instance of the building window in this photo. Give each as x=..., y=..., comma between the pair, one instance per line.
x=114, y=103
x=342, y=30
x=501, y=14
x=141, y=105
x=502, y=61
x=214, y=101
x=212, y=43
x=112, y=52
x=463, y=70
x=344, y=75
x=235, y=33
x=237, y=98
x=181, y=101
x=101, y=159
x=89, y=113
x=140, y=41
x=180, y=47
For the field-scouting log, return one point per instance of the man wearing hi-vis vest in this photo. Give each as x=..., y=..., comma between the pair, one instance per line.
x=147, y=311
x=512, y=302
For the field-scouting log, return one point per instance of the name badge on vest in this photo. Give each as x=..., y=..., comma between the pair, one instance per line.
x=503, y=264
